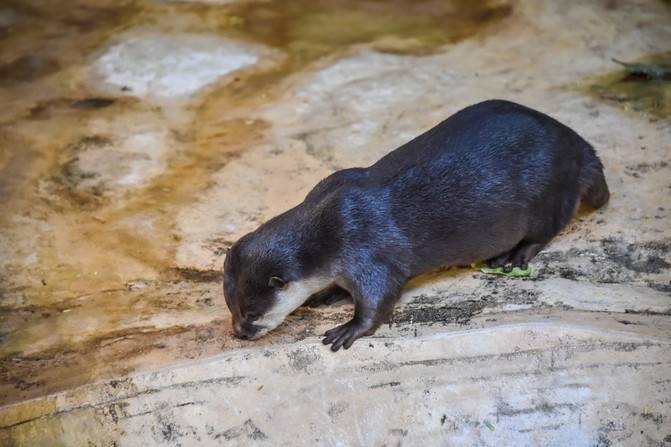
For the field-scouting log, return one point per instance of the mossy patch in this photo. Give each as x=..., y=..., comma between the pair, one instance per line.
x=640, y=87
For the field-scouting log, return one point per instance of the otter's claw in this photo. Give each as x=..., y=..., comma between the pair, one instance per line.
x=345, y=335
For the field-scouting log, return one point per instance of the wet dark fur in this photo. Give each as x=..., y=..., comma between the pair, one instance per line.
x=496, y=181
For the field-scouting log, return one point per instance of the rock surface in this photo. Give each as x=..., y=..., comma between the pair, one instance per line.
x=138, y=140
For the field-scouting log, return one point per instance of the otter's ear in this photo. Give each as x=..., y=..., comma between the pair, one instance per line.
x=277, y=282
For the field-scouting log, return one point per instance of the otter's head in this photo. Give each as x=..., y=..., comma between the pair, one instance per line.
x=262, y=283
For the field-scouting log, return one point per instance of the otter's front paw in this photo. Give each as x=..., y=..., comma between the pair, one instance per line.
x=346, y=334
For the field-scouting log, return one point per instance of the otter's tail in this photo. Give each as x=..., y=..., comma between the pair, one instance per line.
x=595, y=192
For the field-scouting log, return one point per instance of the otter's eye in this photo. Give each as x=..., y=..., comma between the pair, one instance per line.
x=277, y=283
x=251, y=317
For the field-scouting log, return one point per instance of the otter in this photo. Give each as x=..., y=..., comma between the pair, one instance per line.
x=494, y=182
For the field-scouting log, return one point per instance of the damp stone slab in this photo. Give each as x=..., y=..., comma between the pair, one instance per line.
x=517, y=384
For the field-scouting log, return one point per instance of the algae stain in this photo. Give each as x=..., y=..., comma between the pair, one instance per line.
x=635, y=93
x=313, y=28
x=131, y=237
x=71, y=174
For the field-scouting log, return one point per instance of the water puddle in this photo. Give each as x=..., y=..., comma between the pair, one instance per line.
x=308, y=29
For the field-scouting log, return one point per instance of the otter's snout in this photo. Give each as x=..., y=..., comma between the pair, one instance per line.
x=247, y=331
x=240, y=332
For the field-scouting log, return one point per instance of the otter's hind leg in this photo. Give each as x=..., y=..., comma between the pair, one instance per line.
x=326, y=297
x=517, y=257
x=539, y=236
x=596, y=194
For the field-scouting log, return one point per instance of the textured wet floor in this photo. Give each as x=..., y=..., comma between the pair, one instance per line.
x=138, y=140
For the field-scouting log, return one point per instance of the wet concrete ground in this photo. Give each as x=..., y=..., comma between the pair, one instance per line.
x=138, y=140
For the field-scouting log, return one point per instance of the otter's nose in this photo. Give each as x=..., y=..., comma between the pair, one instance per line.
x=240, y=332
